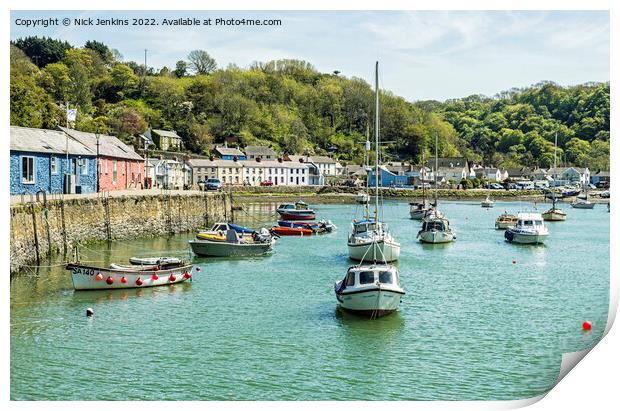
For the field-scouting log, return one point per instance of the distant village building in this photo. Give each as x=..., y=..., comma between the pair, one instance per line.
x=167, y=173
x=489, y=174
x=164, y=139
x=38, y=162
x=387, y=178
x=262, y=152
x=448, y=162
x=600, y=176
x=229, y=153
x=564, y=175
x=248, y=172
x=120, y=167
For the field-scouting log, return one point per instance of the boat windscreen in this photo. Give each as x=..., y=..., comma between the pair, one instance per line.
x=367, y=277
x=385, y=277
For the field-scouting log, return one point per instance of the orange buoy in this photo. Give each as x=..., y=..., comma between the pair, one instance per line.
x=109, y=280
x=123, y=280
x=172, y=278
x=154, y=277
x=139, y=281
x=99, y=277
x=587, y=325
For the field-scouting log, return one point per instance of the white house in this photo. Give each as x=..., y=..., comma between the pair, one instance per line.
x=167, y=173
x=489, y=174
x=287, y=173
x=564, y=175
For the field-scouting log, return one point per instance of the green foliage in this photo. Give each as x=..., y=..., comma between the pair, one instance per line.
x=42, y=50
x=291, y=106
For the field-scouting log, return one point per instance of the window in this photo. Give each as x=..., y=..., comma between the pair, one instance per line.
x=367, y=277
x=291, y=179
x=28, y=170
x=105, y=163
x=385, y=277
x=114, y=174
x=84, y=166
x=350, y=280
x=54, y=164
x=303, y=179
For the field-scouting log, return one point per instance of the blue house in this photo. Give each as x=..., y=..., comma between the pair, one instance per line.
x=387, y=178
x=39, y=163
x=229, y=153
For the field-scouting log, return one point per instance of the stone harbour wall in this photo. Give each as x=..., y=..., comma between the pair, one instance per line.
x=43, y=228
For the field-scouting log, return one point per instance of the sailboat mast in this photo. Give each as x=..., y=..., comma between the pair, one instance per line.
x=436, y=169
x=377, y=141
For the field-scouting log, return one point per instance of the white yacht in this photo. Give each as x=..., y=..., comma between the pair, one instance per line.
x=370, y=290
x=582, y=203
x=370, y=239
x=435, y=226
x=554, y=213
x=530, y=229
x=487, y=202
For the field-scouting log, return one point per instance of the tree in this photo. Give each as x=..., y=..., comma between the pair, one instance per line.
x=43, y=50
x=101, y=49
x=181, y=69
x=201, y=62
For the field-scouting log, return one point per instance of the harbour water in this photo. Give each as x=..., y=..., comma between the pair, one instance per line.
x=482, y=319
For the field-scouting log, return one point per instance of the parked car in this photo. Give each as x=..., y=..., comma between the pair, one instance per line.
x=423, y=185
x=213, y=184
x=496, y=186
x=602, y=184
x=266, y=183
x=605, y=194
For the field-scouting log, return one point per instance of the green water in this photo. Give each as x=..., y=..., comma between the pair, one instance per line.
x=473, y=325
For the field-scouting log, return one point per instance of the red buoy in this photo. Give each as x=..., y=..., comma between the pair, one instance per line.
x=109, y=280
x=587, y=325
x=172, y=278
x=123, y=280
x=139, y=281
x=187, y=275
x=197, y=268
x=154, y=277
x=99, y=277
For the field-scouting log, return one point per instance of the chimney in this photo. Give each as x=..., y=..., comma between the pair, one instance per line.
x=301, y=160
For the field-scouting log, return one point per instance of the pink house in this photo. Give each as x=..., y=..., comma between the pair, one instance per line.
x=120, y=167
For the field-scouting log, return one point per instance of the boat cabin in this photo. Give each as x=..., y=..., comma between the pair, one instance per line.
x=364, y=226
x=370, y=276
x=530, y=220
x=438, y=224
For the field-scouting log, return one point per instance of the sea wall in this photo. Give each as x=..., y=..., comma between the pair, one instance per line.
x=43, y=228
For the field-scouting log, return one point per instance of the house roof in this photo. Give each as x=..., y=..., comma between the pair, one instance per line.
x=229, y=151
x=447, y=162
x=562, y=170
x=166, y=133
x=207, y=162
x=602, y=173
x=259, y=151
x=37, y=140
x=109, y=146
x=322, y=160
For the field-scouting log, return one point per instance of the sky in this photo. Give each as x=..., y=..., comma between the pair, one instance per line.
x=422, y=54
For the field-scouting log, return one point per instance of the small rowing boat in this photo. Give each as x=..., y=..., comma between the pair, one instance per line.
x=298, y=231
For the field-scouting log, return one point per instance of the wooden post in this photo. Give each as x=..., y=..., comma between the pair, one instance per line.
x=36, y=236
x=64, y=230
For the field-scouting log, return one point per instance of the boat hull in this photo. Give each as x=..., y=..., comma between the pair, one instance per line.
x=554, y=216
x=487, y=205
x=521, y=238
x=417, y=214
x=292, y=231
x=436, y=237
x=224, y=249
x=85, y=278
x=375, y=302
x=296, y=216
x=585, y=206
x=374, y=251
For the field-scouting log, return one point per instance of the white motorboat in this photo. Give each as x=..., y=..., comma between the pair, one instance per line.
x=370, y=290
x=417, y=210
x=362, y=197
x=370, y=239
x=234, y=245
x=530, y=229
x=487, y=203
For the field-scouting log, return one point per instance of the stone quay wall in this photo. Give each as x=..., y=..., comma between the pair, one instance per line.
x=46, y=227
